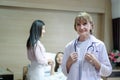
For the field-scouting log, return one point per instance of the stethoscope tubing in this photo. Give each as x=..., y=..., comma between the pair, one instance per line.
x=91, y=46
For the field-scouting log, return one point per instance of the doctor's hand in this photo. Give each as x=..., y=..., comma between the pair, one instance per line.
x=92, y=60
x=71, y=59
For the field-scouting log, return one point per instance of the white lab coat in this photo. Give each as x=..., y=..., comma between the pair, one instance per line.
x=82, y=69
x=38, y=59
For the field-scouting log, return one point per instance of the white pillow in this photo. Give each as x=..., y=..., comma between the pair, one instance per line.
x=51, y=55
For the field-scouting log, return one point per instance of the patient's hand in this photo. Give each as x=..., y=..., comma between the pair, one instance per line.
x=51, y=63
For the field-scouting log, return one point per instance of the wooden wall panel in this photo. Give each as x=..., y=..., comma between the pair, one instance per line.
x=97, y=6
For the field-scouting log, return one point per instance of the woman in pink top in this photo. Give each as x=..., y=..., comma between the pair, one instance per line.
x=36, y=52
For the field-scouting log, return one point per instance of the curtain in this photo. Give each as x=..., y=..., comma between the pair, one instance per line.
x=116, y=33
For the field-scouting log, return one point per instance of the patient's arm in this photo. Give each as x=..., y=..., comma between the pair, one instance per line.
x=51, y=63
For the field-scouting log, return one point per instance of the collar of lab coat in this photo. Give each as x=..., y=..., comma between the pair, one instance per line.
x=92, y=39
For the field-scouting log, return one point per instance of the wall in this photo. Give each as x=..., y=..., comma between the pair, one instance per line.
x=16, y=17
x=115, y=8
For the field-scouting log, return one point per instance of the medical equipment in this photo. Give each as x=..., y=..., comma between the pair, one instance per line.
x=91, y=48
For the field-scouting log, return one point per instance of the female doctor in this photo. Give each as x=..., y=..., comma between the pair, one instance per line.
x=36, y=52
x=85, y=58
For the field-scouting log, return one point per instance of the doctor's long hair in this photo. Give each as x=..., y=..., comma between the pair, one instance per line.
x=35, y=33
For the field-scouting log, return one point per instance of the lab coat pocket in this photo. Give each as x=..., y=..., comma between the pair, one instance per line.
x=75, y=65
x=74, y=70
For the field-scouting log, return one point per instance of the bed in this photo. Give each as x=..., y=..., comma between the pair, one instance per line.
x=56, y=76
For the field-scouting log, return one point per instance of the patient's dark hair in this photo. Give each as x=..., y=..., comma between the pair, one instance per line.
x=56, y=63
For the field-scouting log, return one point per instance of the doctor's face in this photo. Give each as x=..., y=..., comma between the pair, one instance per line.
x=83, y=27
x=43, y=30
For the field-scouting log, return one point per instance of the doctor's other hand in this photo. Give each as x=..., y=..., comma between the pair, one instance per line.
x=92, y=60
x=71, y=59
x=90, y=57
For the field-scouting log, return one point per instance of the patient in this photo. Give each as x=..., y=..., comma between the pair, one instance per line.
x=57, y=74
x=58, y=61
x=54, y=68
x=53, y=71
x=58, y=70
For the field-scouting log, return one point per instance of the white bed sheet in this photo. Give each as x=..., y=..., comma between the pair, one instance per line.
x=56, y=76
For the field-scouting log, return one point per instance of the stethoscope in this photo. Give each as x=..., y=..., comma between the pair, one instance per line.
x=91, y=48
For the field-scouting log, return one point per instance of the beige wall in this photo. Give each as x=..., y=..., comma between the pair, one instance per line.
x=72, y=5
x=16, y=17
x=115, y=9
